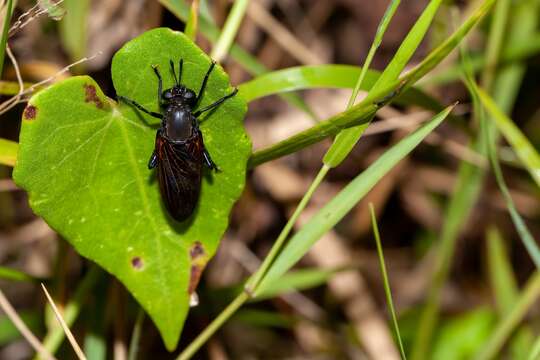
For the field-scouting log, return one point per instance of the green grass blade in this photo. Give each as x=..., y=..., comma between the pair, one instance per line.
x=381, y=29
x=341, y=204
x=298, y=280
x=326, y=76
x=504, y=329
x=522, y=147
x=9, y=333
x=386, y=282
x=506, y=291
x=5, y=29
x=361, y=113
x=192, y=22
x=226, y=38
x=346, y=140
x=495, y=41
x=8, y=152
x=73, y=30
x=503, y=281
x=512, y=53
x=525, y=235
x=16, y=275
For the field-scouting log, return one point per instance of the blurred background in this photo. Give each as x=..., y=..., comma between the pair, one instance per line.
x=347, y=316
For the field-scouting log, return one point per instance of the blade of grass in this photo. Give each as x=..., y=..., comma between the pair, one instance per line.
x=342, y=203
x=9, y=332
x=346, y=140
x=73, y=30
x=8, y=152
x=386, y=281
x=191, y=25
x=55, y=336
x=504, y=284
x=15, y=275
x=524, y=234
x=381, y=29
x=326, y=76
x=65, y=327
x=502, y=277
x=512, y=53
x=361, y=112
x=495, y=42
x=226, y=38
x=504, y=329
x=5, y=29
x=297, y=281
x=522, y=147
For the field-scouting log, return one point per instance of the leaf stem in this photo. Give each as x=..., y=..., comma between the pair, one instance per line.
x=255, y=280
x=213, y=327
x=386, y=282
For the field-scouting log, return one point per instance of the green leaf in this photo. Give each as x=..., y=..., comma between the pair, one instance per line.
x=342, y=203
x=83, y=161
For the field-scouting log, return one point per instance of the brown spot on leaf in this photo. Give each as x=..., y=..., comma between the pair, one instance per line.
x=30, y=112
x=137, y=263
x=91, y=95
x=198, y=262
x=196, y=250
x=194, y=277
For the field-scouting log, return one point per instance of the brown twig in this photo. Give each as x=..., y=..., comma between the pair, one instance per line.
x=66, y=329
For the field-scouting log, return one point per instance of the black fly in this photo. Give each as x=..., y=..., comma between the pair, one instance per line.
x=179, y=152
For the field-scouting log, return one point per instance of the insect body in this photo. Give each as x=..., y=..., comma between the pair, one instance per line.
x=179, y=152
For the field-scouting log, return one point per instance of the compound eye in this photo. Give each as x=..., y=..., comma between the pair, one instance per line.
x=189, y=95
x=167, y=95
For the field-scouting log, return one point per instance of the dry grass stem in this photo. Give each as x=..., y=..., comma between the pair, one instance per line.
x=66, y=329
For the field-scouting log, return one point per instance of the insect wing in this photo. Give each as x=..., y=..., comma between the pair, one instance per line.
x=179, y=174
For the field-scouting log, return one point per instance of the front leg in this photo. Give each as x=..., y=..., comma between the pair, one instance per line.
x=209, y=162
x=140, y=107
x=152, y=163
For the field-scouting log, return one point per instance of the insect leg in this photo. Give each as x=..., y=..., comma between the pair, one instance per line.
x=140, y=107
x=209, y=162
x=205, y=80
x=215, y=104
x=160, y=83
x=152, y=163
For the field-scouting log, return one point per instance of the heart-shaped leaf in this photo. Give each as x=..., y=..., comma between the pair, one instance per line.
x=83, y=160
